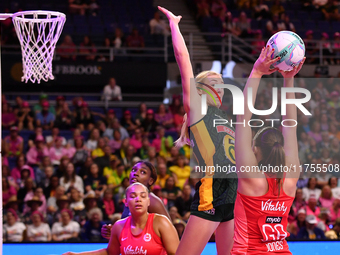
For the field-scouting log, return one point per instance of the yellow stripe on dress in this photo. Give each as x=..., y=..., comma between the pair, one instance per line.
x=206, y=148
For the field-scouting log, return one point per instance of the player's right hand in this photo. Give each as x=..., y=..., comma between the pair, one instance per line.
x=106, y=231
x=171, y=17
x=294, y=71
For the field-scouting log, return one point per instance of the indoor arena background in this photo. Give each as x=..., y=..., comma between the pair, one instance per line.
x=117, y=90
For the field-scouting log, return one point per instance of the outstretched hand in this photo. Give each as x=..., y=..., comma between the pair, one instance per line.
x=263, y=63
x=106, y=231
x=171, y=17
x=294, y=71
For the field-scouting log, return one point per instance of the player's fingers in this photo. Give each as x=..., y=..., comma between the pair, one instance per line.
x=268, y=51
x=262, y=52
x=302, y=62
x=274, y=60
x=281, y=72
x=165, y=11
x=273, y=70
x=161, y=9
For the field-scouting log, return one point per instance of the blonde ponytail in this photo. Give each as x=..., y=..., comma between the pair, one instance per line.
x=184, y=137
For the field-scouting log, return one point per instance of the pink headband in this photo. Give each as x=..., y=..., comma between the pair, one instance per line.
x=13, y=212
x=39, y=213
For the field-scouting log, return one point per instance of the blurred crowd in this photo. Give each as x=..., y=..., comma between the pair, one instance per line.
x=64, y=188
x=76, y=184
x=258, y=20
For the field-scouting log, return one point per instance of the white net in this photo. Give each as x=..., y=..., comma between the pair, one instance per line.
x=38, y=33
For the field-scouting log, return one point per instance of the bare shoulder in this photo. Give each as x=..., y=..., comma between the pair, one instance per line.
x=161, y=225
x=118, y=226
x=161, y=219
x=255, y=186
x=289, y=186
x=121, y=222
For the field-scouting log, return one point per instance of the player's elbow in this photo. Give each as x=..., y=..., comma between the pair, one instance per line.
x=181, y=55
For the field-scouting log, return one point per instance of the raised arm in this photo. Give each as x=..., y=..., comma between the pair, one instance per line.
x=243, y=135
x=183, y=61
x=289, y=132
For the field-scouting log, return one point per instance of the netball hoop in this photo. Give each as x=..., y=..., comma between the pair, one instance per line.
x=38, y=33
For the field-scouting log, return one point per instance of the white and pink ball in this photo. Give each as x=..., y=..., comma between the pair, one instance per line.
x=289, y=47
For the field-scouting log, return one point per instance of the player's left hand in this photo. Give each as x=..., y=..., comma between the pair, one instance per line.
x=171, y=17
x=264, y=62
x=294, y=71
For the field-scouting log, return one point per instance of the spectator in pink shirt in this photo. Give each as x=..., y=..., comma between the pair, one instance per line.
x=36, y=153
x=300, y=221
x=298, y=201
x=136, y=140
x=116, y=143
x=7, y=191
x=13, y=143
x=16, y=172
x=38, y=193
x=57, y=151
x=164, y=118
x=323, y=220
x=162, y=144
x=312, y=208
x=326, y=199
x=335, y=210
x=8, y=117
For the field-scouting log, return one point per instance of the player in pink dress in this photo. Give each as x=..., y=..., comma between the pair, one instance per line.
x=264, y=198
x=142, y=232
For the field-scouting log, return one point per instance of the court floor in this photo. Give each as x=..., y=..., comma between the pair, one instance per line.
x=297, y=248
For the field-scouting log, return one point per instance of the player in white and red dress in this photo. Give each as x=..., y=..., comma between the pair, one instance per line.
x=264, y=198
x=261, y=222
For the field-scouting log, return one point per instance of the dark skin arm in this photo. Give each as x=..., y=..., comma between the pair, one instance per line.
x=157, y=206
